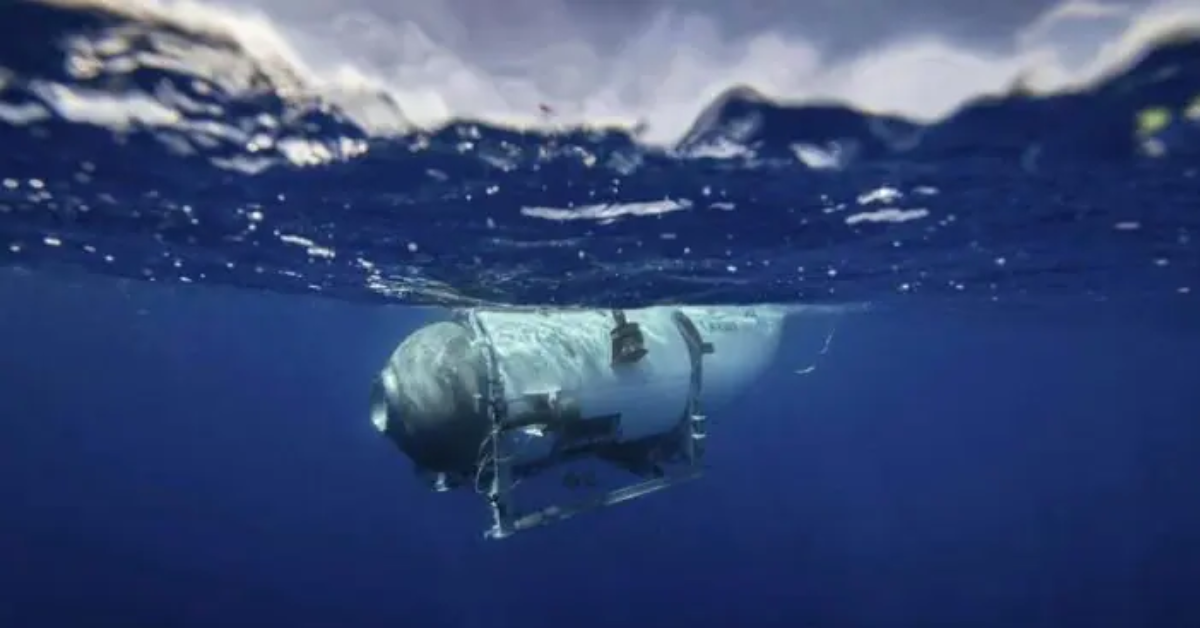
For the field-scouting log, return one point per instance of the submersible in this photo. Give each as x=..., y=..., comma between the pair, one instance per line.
x=492, y=397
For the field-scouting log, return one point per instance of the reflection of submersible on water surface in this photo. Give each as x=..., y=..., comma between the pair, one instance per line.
x=498, y=395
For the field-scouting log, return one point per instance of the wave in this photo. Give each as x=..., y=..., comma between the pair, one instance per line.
x=117, y=110
x=387, y=78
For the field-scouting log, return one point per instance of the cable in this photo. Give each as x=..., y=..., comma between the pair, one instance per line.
x=824, y=350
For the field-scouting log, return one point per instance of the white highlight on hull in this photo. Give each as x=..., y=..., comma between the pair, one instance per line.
x=569, y=352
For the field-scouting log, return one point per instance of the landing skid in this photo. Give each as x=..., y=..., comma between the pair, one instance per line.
x=554, y=514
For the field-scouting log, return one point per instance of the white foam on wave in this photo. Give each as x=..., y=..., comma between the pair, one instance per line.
x=890, y=214
x=391, y=76
x=605, y=212
x=662, y=78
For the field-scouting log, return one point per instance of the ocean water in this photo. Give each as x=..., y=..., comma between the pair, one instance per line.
x=216, y=222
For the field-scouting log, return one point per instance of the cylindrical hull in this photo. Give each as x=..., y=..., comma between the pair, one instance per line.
x=569, y=354
x=497, y=396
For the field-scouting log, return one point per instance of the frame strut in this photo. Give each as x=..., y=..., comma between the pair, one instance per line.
x=496, y=462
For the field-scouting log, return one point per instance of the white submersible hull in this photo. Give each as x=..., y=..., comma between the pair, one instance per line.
x=498, y=395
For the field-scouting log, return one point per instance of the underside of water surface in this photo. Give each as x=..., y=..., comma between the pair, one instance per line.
x=172, y=143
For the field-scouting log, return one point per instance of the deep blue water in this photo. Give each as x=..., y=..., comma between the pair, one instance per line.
x=1002, y=433
x=203, y=458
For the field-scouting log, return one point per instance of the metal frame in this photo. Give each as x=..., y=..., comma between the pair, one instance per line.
x=496, y=462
